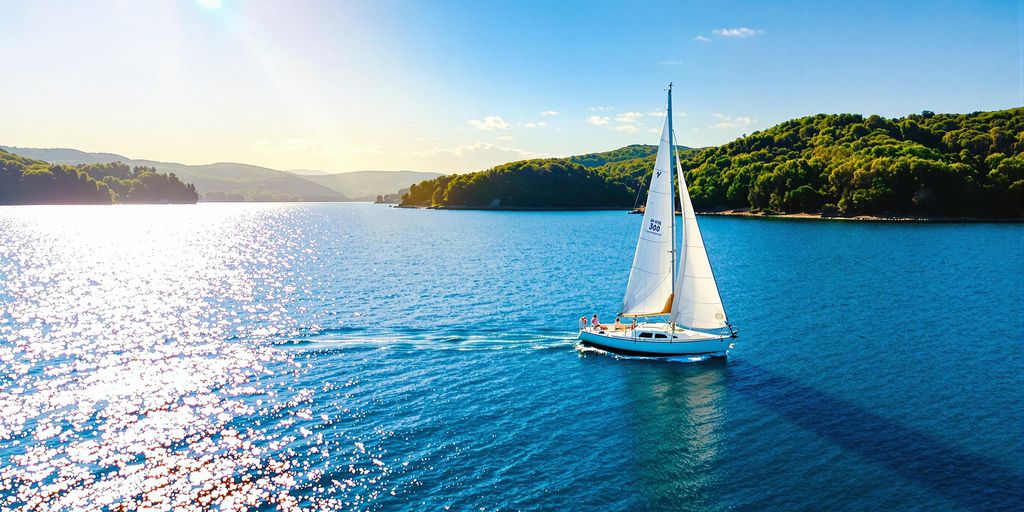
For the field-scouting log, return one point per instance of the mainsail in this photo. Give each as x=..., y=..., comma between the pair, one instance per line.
x=649, y=291
x=698, y=304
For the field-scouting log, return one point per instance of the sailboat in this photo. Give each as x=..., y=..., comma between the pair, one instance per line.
x=686, y=295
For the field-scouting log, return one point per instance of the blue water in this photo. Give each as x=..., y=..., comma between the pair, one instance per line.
x=359, y=357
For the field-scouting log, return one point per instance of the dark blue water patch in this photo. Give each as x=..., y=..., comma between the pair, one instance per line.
x=969, y=479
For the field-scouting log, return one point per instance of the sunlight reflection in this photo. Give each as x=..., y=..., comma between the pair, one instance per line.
x=121, y=385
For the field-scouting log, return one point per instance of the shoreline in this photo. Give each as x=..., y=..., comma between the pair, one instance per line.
x=865, y=218
x=517, y=208
x=745, y=214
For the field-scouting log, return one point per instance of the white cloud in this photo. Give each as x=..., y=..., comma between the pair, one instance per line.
x=600, y=109
x=629, y=118
x=670, y=62
x=702, y=39
x=653, y=130
x=489, y=123
x=538, y=124
x=294, y=145
x=740, y=32
x=504, y=137
x=598, y=120
x=627, y=128
x=471, y=157
x=726, y=122
x=661, y=113
x=470, y=149
x=549, y=113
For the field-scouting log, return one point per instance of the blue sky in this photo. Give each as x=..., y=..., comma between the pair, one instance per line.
x=459, y=86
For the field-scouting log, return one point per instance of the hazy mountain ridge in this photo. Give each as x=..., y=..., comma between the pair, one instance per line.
x=367, y=185
x=244, y=182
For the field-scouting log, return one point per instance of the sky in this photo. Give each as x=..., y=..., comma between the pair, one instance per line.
x=455, y=86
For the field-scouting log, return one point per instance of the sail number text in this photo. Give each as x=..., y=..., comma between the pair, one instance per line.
x=654, y=226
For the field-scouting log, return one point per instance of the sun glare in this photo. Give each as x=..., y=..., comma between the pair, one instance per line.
x=209, y=4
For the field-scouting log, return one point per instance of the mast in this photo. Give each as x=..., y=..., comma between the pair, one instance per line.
x=672, y=165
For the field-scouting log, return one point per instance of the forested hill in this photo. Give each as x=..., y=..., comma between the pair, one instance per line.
x=838, y=164
x=596, y=180
x=28, y=181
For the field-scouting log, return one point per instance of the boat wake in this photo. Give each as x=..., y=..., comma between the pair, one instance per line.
x=337, y=340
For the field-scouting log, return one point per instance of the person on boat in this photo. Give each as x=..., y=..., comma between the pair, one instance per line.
x=594, y=323
x=619, y=326
x=583, y=323
x=633, y=326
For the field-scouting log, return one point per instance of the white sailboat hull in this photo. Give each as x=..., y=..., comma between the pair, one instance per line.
x=681, y=342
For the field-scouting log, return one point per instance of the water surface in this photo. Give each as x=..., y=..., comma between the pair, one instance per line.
x=352, y=357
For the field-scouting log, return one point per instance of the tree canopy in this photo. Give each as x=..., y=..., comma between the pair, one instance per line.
x=836, y=164
x=27, y=181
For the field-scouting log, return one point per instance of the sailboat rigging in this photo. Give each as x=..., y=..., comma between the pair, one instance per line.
x=664, y=281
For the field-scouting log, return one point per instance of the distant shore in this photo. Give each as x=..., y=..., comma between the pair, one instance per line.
x=861, y=218
x=738, y=213
x=518, y=208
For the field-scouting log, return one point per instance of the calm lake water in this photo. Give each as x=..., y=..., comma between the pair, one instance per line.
x=354, y=356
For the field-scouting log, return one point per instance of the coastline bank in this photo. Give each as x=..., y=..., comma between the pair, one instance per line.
x=517, y=208
x=862, y=218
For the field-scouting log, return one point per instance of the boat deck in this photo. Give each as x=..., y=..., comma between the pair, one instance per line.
x=656, y=340
x=655, y=333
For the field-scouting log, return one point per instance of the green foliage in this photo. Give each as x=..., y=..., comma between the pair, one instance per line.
x=617, y=155
x=545, y=183
x=526, y=184
x=27, y=181
x=840, y=164
x=928, y=164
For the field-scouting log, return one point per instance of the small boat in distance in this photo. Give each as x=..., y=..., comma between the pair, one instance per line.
x=696, y=322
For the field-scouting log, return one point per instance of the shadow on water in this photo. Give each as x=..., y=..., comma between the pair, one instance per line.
x=965, y=478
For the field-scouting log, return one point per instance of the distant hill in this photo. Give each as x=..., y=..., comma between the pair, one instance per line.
x=367, y=185
x=309, y=172
x=608, y=179
x=930, y=165
x=616, y=155
x=65, y=155
x=228, y=181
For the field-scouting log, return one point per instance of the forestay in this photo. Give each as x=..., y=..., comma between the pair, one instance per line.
x=698, y=304
x=649, y=291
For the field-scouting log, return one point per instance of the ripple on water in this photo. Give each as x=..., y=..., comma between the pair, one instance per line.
x=283, y=356
x=132, y=368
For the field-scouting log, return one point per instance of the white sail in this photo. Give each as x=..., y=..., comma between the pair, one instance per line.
x=649, y=291
x=698, y=304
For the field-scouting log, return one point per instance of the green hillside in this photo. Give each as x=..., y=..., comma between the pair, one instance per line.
x=840, y=164
x=630, y=152
x=596, y=180
x=921, y=164
x=29, y=181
